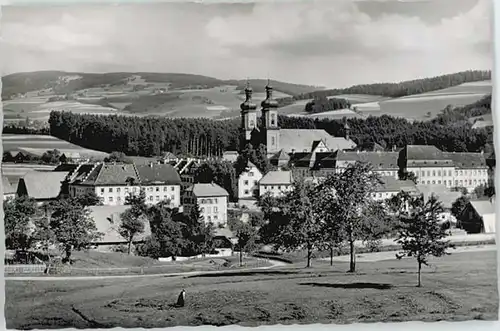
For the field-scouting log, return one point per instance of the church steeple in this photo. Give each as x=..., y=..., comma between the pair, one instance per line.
x=248, y=116
x=270, y=120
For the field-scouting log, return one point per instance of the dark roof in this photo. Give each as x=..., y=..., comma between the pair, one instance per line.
x=325, y=160
x=423, y=152
x=111, y=174
x=379, y=160
x=158, y=173
x=69, y=167
x=467, y=160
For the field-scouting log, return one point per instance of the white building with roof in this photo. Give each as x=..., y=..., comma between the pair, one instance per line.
x=277, y=183
x=248, y=182
x=43, y=186
x=211, y=199
x=391, y=187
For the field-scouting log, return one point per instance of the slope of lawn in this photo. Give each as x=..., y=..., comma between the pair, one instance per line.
x=458, y=287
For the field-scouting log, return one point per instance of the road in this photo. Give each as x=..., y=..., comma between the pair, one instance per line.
x=273, y=263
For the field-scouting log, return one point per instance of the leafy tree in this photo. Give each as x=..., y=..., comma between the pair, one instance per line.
x=245, y=232
x=166, y=234
x=45, y=236
x=222, y=173
x=353, y=188
x=421, y=234
x=130, y=226
x=199, y=235
x=18, y=213
x=293, y=223
x=137, y=203
x=408, y=175
x=459, y=205
x=89, y=198
x=118, y=157
x=72, y=225
x=51, y=156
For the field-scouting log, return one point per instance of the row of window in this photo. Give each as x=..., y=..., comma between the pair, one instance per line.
x=458, y=183
x=246, y=182
x=450, y=173
x=248, y=192
x=209, y=201
x=209, y=210
x=151, y=198
x=136, y=189
x=266, y=187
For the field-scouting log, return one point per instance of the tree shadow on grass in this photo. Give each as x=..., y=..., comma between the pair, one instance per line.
x=242, y=273
x=377, y=286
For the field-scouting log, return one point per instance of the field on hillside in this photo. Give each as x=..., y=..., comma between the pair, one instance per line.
x=38, y=144
x=456, y=288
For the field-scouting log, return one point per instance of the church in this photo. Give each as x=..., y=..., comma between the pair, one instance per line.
x=283, y=144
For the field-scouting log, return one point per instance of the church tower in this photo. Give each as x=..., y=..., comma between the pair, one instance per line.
x=248, y=118
x=270, y=129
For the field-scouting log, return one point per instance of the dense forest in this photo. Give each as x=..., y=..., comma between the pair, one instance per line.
x=204, y=137
x=322, y=104
x=395, y=90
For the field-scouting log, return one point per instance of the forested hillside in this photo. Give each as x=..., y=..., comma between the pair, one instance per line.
x=151, y=136
x=412, y=87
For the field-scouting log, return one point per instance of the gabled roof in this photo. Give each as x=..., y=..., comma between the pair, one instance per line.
x=201, y=190
x=277, y=178
x=467, y=160
x=391, y=184
x=169, y=155
x=300, y=140
x=379, y=160
x=111, y=174
x=326, y=160
x=370, y=147
x=484, y=207
x=7, y=186
x=423, y=152
x=158, y=173
x=43, y=184
x=107, y=220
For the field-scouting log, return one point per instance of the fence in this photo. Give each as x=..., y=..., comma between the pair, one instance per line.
x=24, y=268
x=173, y=268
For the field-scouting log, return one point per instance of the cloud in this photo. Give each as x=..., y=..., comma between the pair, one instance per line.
x=333, y=43
x=336, y=27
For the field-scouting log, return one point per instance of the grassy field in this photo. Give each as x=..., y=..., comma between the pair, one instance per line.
x=42, y=143
x=379, y=292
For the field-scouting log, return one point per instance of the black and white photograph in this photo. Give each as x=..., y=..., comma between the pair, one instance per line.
x=248, y=163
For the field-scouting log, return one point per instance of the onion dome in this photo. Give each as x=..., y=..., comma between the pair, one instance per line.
x=269, y=102
x=248, y=105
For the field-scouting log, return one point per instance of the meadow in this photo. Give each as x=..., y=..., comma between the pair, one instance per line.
x=457, y=287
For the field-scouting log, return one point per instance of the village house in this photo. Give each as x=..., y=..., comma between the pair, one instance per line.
x=211, y=199
x=383, y=163
x=478, y=217
x=248, y=182
x=9, y=192
x=391, y=187
x=107, y=220
x=445, y=196
x=114, y=182
x=276, y=183
x=43, y=186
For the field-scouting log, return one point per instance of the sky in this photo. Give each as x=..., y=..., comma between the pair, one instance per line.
x=324, y=43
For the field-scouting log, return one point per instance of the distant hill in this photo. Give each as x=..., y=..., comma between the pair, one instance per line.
x=406, y=88
x=60, y=82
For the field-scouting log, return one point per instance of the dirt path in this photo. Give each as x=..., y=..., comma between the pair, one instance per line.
x=273, y=263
